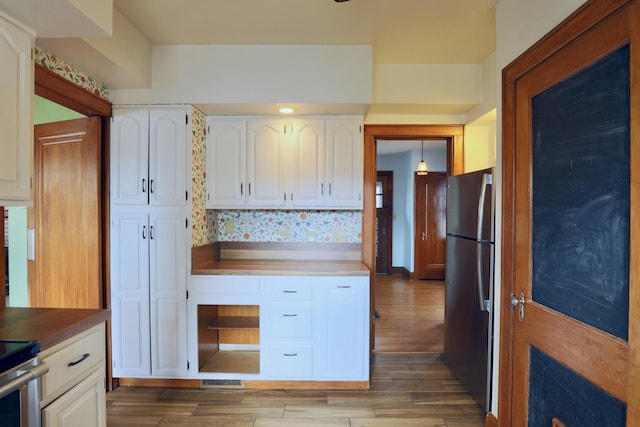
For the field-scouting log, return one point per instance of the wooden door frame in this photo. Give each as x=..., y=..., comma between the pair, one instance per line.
x=453, y=134
x=55, y=88
x=582, y=20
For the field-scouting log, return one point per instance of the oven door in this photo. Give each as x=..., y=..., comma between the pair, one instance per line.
x=20, y=395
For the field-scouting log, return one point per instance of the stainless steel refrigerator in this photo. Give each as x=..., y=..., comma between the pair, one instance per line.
x=469, y=282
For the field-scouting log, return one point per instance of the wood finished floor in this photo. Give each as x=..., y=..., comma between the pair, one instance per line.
x=410, y=386
x=411, y=315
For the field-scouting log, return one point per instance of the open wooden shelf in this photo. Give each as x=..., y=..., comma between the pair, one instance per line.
x=235, y=322
x=235, y=361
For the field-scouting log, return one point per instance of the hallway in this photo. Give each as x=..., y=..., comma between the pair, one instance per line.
x=411, y=315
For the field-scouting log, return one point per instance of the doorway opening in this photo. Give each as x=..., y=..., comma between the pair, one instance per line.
x=380, y=134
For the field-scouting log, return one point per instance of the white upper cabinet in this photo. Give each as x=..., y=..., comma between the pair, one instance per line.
x=16, y=114
x=345, y=167
x=307, y=186
x=226, y=161
x=307, y=163
x=148, y=157
x=266, y=164
x=167, y=157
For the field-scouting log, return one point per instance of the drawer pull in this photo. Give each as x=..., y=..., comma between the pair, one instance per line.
x=290, y=292
x=82, y=359
x=344, y=286
x=290, y=315
x=290, y=354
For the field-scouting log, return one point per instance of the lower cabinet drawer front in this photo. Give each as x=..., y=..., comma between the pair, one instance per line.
x=291, y=321
x=290, y=361
x=72, y=363
x=82, y=406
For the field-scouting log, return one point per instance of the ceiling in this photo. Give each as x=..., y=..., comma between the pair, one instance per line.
x=400, y=31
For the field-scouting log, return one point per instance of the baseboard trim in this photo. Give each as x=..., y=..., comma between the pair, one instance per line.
x=492, y=421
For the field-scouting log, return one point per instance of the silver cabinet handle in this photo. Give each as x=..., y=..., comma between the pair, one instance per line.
x=344, y=286
x=290, y=315
x=144, y=231
x=290, y=354
x=144, y=185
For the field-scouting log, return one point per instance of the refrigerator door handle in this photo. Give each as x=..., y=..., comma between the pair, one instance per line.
x=484, y=304
x=483, y=192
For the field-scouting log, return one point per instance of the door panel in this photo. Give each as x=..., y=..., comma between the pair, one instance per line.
x=572, y=198
x=431, y=225
x=68, y=259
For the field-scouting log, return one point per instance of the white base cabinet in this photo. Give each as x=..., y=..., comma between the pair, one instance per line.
x=148, y=292
x=73, y=391
x=312, y=328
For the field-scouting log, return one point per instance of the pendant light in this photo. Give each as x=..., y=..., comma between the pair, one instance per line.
x=422, y=166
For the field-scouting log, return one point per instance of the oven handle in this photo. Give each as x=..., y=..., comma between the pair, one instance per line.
x=30, y=375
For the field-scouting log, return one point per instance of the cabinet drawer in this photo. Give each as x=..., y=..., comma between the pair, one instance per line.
x=288, y=289
x=290, y=361
x=72, y=361
x=83, y=405
x=289, y=321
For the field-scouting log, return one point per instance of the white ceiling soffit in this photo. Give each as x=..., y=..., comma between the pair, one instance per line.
x=400, y=31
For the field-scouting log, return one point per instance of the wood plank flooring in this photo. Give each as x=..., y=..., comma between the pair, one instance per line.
x=410, y=386
x=411, y=315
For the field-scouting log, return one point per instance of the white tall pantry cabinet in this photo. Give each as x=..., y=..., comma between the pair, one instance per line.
x=150, y=240
x=16, y=113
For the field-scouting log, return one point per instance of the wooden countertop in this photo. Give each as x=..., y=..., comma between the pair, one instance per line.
x=282, y=268
x=278, y=259
x=50, y=326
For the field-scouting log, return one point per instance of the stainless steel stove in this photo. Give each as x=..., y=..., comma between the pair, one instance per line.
x=20, y=372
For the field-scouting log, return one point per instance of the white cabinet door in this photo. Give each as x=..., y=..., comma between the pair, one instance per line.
x=226, y=161
x=129, y=157
x=148, y=281
x=16, y=116
x=130, y=294
x=344, y=163
x=306, y=187
x=167, y=157
x=342, y=329
x=84, y=405
x=148, y=157
x=168, y=267
x=266, y=168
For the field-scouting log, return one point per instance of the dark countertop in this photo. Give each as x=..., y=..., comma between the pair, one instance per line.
x=282, y=268
x=50, y=326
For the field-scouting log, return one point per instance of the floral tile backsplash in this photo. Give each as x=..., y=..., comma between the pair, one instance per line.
x=69, y=72
x=288, y=226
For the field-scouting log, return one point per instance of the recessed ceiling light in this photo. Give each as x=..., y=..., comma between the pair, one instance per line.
x=286, y=110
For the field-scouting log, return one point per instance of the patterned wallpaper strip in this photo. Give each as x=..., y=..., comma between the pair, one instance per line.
x=289, y=226
x=202, y=228
x=53, y=63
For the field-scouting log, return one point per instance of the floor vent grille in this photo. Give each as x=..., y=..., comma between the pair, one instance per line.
x=222, y=383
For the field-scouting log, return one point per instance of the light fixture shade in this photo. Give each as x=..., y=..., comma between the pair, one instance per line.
x=422, y=168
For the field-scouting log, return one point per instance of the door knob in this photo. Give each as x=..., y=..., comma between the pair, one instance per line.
x=519, y=302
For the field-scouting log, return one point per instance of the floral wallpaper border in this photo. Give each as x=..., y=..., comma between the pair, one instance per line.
x=289, y=226
x=69, y=72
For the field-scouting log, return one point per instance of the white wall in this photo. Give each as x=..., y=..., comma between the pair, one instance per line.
x=519, y=24
x=255, y=74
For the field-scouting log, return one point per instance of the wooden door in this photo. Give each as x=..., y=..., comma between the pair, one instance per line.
x=384, y=212
x=431, y=225
x=570, y=172
x=67, y=271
